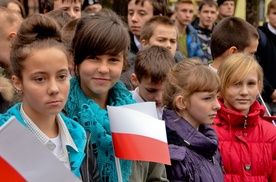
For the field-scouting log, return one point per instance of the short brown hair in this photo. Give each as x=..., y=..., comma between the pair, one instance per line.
x=159, y=6
x=36, y=32
x=149, y=27
x=60, y=17
x=232, y=31
x=48, y=5
x=182, y=2
x=207, y=2
x=153, y=62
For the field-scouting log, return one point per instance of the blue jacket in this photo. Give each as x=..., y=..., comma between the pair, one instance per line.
x=76, y=131
x=194, y=153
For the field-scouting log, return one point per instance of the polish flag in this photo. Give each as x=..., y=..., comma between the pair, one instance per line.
x=137, y=134
x=8, y=173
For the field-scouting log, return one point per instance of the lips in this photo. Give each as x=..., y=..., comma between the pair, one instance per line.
x=135, y=28
x=101, y=80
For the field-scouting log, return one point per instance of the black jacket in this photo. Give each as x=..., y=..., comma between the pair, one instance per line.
x=89, y=169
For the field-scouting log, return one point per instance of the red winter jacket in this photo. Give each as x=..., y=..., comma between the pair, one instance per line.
x=247, y=144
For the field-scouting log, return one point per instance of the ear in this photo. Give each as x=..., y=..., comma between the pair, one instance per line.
x=134, y=79
x=12, y=35
x=232, y=49
x=45, y=11
x=180, y=103
x=144, y=43
x=17, y=83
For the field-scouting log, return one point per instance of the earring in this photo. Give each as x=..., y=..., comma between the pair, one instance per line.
x=16, y=90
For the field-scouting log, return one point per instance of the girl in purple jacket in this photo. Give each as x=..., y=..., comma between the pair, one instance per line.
x=190, y=99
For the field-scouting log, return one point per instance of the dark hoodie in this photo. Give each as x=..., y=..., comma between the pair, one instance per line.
x=204, y=36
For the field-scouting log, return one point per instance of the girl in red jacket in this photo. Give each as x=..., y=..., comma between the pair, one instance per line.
x=247, y=138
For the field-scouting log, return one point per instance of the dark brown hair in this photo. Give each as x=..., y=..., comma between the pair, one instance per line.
x=159, y=6
x=148, y=28
x=60, y=17
x=153, y=62
x=232, y=31
x=36, y=32
x=103, y=33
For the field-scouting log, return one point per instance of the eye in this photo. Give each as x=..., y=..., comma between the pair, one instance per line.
x=237, y=84
x=39, y=79
x=252, y=83
x=62, y=76
x=114, y=60
x=130, y=13
x=77, y=10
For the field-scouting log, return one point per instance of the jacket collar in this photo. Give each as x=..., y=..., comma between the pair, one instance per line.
x=203, y=141
x=233, y=118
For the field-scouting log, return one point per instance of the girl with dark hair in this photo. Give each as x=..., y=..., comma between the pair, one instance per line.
x=100, y=46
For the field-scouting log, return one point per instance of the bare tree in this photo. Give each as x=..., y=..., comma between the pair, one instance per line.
x=253, y=12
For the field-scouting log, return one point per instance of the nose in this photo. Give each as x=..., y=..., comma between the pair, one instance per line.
x=216, y=105
x=158, y=97
x=72, y=13
x=103, y=67
x=134, y=17
x=168, y=44
x=53, y=87
x=244, y=90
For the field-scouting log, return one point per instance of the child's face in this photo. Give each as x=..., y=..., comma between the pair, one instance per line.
x=207, y=16
x=240, y=96
x=184, y=13
x=200, y=108
x=165, y=36
x=138, y=15
x=150, y=91
x=73, y=9
x=227, y=8
x=272, y=17
x=45, y=83
x=99, y=75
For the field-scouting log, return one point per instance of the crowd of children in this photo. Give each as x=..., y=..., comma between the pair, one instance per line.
x=60, y=70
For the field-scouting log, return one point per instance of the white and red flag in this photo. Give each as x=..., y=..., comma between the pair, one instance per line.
x=137, y=134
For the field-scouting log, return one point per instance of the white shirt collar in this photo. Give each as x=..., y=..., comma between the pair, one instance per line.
x=212, y=68
x=137, y=43
x=63, y=131
x=273, y=30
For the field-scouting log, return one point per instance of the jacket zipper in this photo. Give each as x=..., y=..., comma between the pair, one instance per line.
x=245, y=122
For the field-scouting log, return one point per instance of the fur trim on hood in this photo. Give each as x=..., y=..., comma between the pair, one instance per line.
x=6, y=89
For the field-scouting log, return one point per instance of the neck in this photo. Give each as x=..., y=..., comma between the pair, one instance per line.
x=205, y=27
x=217, y=62
x=181, y=28
x=46, y=123
x=101, y=100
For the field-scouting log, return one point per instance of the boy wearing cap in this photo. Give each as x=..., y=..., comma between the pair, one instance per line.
x=226, y=8
x=72, y=7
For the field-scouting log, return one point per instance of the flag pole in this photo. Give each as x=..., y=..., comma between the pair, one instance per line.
x=267, y=111
x=118, y=167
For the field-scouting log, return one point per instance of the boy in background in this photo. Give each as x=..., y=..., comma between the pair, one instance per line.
x=72, y=7
x=151, y=67
x=150, y=71
x=232, y=35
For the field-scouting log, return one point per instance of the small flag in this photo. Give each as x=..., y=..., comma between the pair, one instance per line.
x=8, y=173
x=138, y=135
